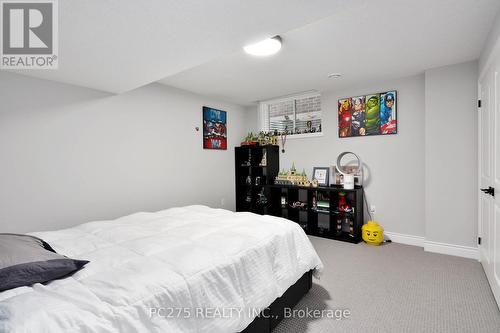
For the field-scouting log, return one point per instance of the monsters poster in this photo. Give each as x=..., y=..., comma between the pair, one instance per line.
x=373, y=114
x=214, y=129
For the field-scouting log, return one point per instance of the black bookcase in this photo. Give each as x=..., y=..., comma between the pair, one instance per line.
x=319, y=216
x=253, y=179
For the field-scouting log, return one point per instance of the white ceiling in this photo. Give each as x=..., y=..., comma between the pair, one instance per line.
x=120, y=45
x=196, y=45
x=366, y=41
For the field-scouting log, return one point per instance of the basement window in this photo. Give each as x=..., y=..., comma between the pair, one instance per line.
x=298, y=115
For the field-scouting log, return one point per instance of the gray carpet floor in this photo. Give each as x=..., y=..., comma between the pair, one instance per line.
x=396, y=288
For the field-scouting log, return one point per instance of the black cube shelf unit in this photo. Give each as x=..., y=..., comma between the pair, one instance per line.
x=320, y=216
x=247, y=166
x=323, y=219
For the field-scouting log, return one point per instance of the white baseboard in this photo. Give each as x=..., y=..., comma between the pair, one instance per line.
x=405, y=239
x=452, y=250
x=435, y=247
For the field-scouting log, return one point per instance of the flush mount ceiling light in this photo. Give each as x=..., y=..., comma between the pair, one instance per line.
x=334, y=75
x=264, y=48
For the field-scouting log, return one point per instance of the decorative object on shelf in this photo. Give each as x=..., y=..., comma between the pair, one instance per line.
x=283, y=139
x=250, y=140
x=248, y=197
x=214, y=129
x=321, y=174
x=374, y=114
x=323, y=206
x=248, y=162
x=314, y=205
x=343, y=206
x=299, y=205
x=373, y=233
x=338, y=226
x=344, y=222
x=263, y=161
x=250, y=176
x=261, y=139
x=283, y=201
x=292, y=178
x=354, y=172
x=262, y=199
x=314, y=183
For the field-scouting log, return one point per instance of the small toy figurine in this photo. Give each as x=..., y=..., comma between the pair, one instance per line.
x=249, y=180
x=262, y=200
x=373, y=233
x=338, y=230
x=263, y=162
x=249, y=161
x=343, y=207
x=283, y=201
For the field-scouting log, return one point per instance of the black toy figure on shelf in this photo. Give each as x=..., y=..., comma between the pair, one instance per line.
x=262, y=200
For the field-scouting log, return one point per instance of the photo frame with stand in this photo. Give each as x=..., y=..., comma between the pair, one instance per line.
x=322, y=175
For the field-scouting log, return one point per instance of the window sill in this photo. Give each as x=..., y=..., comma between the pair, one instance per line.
x=305, y=135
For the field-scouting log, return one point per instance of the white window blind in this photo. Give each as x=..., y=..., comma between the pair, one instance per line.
x=296, y=114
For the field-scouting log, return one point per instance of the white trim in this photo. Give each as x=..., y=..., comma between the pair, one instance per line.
x=405, y=239
x=452, y=250
x=434, y=247
x=304, y=135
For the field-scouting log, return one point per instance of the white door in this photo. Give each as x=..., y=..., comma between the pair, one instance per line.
x=489, y=177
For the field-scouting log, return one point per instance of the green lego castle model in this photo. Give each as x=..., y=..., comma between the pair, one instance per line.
x=292, y=177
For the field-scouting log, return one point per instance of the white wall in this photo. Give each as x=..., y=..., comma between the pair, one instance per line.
x=491, y=49
x=395, y=162
x=451, y=154
x=70, y=155
x=441, y=138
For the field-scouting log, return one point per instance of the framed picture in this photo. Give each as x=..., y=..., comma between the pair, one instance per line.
x=374, y=114
x=214, y=129
x=321, y=174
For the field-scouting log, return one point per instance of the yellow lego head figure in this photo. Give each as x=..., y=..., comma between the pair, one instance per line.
x=373, y=233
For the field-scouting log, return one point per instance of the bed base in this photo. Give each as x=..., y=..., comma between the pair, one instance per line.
x=273, y=314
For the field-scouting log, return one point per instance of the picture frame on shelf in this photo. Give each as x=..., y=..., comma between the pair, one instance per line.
x=322, y=175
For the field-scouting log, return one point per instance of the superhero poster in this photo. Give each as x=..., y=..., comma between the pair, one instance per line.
x=214, y=129
x=373, y=114
x=345, y=117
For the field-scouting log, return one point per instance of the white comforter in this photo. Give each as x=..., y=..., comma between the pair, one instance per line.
x=190, y=269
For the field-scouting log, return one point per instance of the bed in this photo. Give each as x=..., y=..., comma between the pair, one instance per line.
x=187, y=269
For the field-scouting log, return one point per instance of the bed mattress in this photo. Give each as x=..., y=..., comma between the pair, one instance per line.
x=188, y=269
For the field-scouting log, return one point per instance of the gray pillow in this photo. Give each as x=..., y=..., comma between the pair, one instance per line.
x=26, y=260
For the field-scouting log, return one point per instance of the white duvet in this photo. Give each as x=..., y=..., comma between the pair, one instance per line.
x=189, y=269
